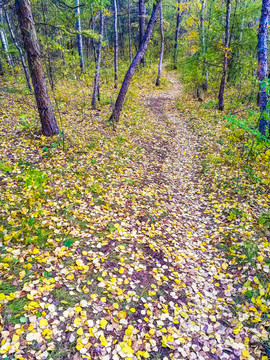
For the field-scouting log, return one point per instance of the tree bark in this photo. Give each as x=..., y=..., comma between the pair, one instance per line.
x=176, y=38
x=26, y=22
x=141, y=24
x=262, y=66
x=161, y=45
x=204, y=72
x=20, y=51
x=225, y=62
x=4, y=40
x=96, y=81
x=79, y=36
x=115, y=46
x=142, y=49
x=129, y=33
x=49, y=66
x=92, y=39
x=1, y=69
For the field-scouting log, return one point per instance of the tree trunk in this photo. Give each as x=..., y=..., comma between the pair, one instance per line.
x=262, y=66
x=176, y=38
x=142, y=49
x=4, y=40
x=242, y=24
x=115, y=46
x=96, y=81
x=26, y=22
x=79, y=36
x=141, y=24
x=204, y=72
x=20, y=52
x=1, y=69
x=92, y=39
x=49, y=66
x=129, y=33
x=225, y=62
x=161, y=45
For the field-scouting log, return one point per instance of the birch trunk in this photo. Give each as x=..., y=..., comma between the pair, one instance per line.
x=19, y=50
x=263, y=66
x=161, y=45
x=176, y=38
x=129, y=33
x=96, y=81
x=137, y=59
x=204, y=72
x=26, y=22
x=115, y=46
x=4, y=40
x=141, y=24
x=79, y=36
x=225, y=62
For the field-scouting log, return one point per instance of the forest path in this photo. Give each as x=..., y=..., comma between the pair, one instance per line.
x=205, y=329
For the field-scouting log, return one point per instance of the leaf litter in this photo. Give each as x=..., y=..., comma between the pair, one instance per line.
x=109, y=248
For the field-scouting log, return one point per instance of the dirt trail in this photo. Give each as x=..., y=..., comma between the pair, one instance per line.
x=208, y=287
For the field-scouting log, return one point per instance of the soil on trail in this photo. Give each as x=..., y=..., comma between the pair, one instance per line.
x=206, y=306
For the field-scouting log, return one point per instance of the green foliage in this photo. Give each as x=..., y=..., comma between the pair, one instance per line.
x=265, y=220
x=27, y=124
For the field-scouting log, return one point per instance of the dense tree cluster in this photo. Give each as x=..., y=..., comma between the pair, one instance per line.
x=210, y=41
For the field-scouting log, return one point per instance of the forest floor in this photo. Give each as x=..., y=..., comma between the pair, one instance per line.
x=111, y=249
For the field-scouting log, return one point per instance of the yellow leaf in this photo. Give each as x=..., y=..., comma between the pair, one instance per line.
x=245, y=353
x=132, y=310
x=151, y=331
x=127, y=350
x=43, y=323
x=122, y=314
x=129, y=330
x=24, y=210
x=103, y=323
x=30, y=297
x=116, y=306
x=35, y=251
x=260, y=258
x=103, y=341
x=224, y=266
x=77, y=321
x=2, y=296
x=80, y=331
x=15, y=338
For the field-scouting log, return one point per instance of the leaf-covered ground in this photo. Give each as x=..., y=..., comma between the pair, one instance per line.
x=109, y=242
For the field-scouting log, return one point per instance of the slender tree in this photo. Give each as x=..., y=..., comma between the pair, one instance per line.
x=137, y=59
x=79, y=35
x=115, y=46
x=1, y=68
x=179, y=16
x=26, y=22
x=161, y=45
x=263, y=66
x=49, y=63
x=96, y=81
x=4, y=40
x=129, y=33
x=204, y=72
x=19, y=50
x=141, y=24
x=93, y=30
x=226, y=54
